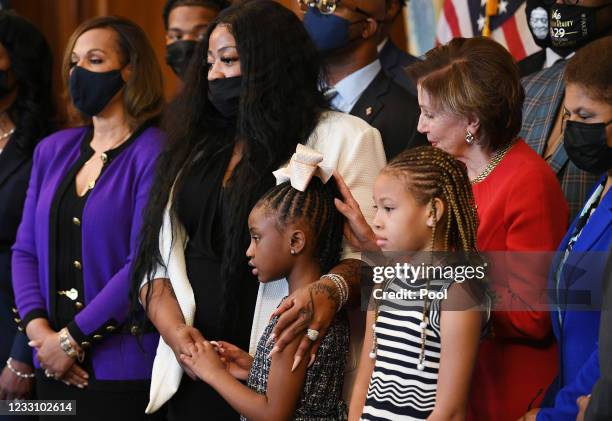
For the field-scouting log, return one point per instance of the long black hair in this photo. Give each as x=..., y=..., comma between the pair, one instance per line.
x=280, y=105
x=33, y=112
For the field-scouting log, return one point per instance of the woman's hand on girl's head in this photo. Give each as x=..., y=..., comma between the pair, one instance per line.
x=203, y=360
x=237, y=361
x=356, y=229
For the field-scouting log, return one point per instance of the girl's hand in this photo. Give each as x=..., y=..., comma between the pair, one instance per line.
x=238, y=362
x=203, y=361
x=13, y=386
x=356, y=229
x=181, y=339
x=51, y=356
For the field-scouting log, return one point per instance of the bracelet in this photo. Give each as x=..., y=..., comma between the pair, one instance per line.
x=17, y=372
x=67, y=346
x=341, y=285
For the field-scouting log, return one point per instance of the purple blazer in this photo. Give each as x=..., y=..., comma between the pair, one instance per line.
x=110, y=225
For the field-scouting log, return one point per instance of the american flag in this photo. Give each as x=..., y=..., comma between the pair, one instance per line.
x=502, y=20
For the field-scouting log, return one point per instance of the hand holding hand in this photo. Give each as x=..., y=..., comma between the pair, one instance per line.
x=76, y=376
x=181, y=339
x=204, y=361
x=51, y=356
x=237, y=361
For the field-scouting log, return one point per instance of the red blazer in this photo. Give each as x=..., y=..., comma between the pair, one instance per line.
x=521, y=208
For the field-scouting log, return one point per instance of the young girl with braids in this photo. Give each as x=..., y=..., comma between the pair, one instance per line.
x=417, y=360
x=296, y=233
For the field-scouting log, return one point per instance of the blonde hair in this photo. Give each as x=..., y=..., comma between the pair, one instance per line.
x=430, y=173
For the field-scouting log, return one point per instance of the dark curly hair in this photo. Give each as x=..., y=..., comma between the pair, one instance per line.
x=33, y=111
x=211, y=4
x=588, y=69
x=316, y=207
x=280, y=105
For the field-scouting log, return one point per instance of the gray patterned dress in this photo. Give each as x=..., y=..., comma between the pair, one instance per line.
x=321, y=398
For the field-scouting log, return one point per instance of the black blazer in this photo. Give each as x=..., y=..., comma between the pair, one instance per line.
x=394, y=62
x=600, y=406
x=393, y=111
x=15, y=167
x=531, y=64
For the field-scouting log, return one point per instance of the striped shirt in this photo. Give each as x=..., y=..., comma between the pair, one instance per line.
x=398, y=390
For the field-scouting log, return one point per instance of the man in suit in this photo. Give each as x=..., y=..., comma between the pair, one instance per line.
x=393, y=60
x=543, y=111
x=354, y=80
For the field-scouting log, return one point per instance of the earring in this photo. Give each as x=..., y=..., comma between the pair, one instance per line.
x=469, y=138
x=292, y=251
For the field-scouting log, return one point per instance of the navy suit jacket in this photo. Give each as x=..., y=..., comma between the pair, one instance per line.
x=394, y=62
x=393, y=111
x=15, y=166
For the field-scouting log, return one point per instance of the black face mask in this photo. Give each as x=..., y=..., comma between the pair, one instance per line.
x=225, y=95
x=91, y=91
x=571, y=27
x=178, y=56
x=586, y=146
x=5, y=88
x=538, y=18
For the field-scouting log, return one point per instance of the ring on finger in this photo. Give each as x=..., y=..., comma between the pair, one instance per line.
x=48, y=373
x=312, y=334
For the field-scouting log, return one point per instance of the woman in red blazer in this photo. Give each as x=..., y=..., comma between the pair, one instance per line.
x=471, y=106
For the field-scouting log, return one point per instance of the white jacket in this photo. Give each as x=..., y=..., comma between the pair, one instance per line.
x=349, y=145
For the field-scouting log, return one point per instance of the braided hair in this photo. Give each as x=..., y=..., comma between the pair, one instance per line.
x=431, y=173
x=315, y=206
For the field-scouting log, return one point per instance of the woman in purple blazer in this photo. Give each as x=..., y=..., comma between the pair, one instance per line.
x=80, y=226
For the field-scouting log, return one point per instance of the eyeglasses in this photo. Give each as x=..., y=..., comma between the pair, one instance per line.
x=327, y=7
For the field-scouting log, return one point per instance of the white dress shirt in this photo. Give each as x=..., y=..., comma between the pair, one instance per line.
x=350, y=88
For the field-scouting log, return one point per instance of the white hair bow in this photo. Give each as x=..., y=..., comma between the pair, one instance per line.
x=305, y=163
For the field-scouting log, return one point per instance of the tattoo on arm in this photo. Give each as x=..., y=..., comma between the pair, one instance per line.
x=305, y=315
x=330, y=291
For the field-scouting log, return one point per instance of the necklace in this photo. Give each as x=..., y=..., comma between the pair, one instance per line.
x=499, y=155
x=104, y=158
